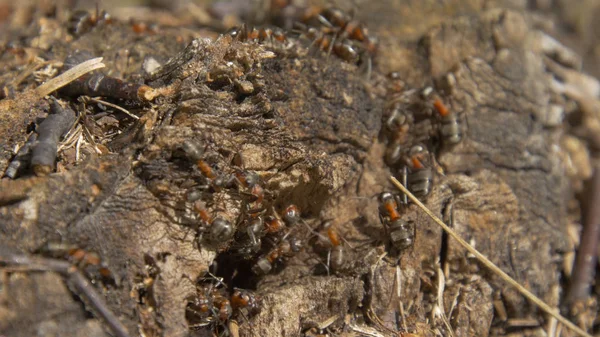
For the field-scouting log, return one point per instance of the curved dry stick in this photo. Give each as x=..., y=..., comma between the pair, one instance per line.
x=82, y=286
x=585, y=262
x=44, y=152
x=485, y=261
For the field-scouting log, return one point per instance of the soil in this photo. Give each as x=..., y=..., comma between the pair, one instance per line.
x=316, y=130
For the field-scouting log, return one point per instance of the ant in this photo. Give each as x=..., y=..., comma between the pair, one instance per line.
x=195, y=151
x=336, y=253
x=245, y=299
x=350, y=28
x=328, y=239
x=143, y=28
x=212, y=305
x=243, y=34
x=342, y=48
x=219, y=229
x=398, y=124
x=419, y=176
x=251, y=238
x=82, y=21
x=347, y=38
x=250, y=181
x=286, y=247
x=199, y=308
x=401, y=233
x=258, y=226
x=290, y=216
x=450, y=128
x=79, y=257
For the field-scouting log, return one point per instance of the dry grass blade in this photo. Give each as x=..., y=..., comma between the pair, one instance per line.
x=114, y=106
x=365, y=331
x=69, y=76
x=438, y=309
x=484, y=260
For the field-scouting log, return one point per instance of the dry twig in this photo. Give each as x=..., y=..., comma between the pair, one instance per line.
x=58, y=123
x=82, y=286
x=585, y=262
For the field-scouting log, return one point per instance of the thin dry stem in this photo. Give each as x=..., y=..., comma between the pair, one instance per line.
x=399, y=295
x=552, y=324
x=70, y=138
x=438, y=310
x=78, y=148
x=97, y=100
x=325, y=324
x=365, y=331
x=489, y=264
x=582, y=276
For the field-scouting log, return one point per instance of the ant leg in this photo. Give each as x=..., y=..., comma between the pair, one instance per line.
x=448, y=213
x=328, y=261
x=369, y=68
x=330, y=49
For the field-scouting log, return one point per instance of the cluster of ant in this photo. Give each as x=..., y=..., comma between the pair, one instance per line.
x=416, y=125
x=334, y=31
x=330, y=30
x=260, y=234
x=214, y=306
x=409, y=154
x=81, y=22
x=257, y=222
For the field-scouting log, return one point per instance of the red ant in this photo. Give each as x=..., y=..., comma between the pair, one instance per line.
x=219, y=229
x=78, y=257
x=82, y=21
x=419, y=177
x=194, y=151
x=243, y=33
x=276, y=223
x=244, y=299
x=401, y=233
x=212, y=305
x=284, y=248
x=336, y=34
x=209, y=304
x=450, y=128
x=142, y=27
x=334, y=244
